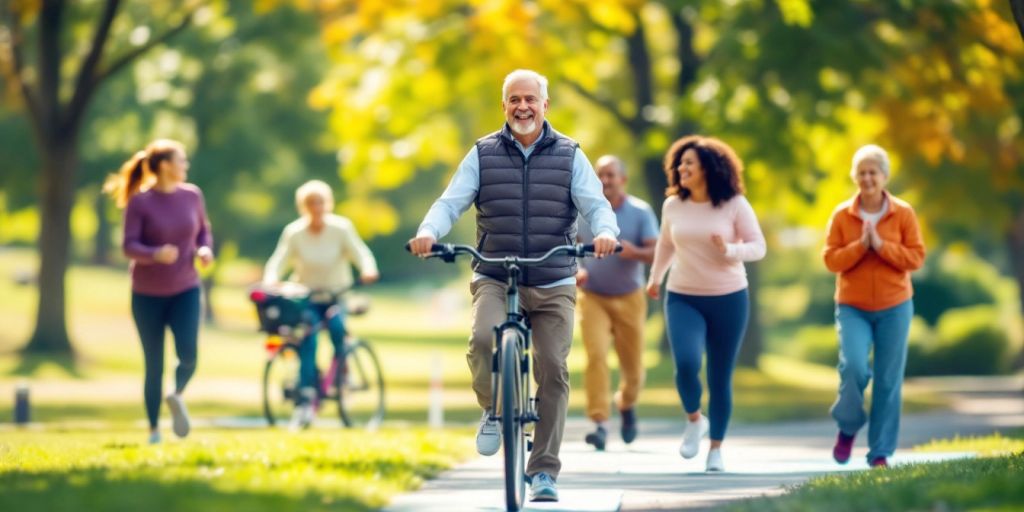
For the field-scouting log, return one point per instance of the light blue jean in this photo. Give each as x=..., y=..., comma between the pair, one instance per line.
x=307, y=350
x=859, y=331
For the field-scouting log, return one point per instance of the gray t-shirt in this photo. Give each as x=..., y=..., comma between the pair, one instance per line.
x=613, y=275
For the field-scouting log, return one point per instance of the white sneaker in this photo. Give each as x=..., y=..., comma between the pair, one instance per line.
x=488, y=435
x=542, y=488
x=694, y=432
x=305, y=410
x=715, y=464
x=179, y=414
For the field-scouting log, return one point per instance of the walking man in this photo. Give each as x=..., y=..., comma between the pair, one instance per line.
x=613, y=306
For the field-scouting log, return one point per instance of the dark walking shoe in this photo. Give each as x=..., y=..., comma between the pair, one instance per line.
x=628, y=425
x=844, y=446
x=879, y=462
x=597, y=438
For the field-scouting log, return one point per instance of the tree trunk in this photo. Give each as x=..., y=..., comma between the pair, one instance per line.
x=1015, y=243
x=753, y=340
x=57, y=186
x=654, y=183
x=1017, y=6
x=101, y=243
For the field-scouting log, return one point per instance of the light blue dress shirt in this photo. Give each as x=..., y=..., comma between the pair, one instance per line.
x=586, y=191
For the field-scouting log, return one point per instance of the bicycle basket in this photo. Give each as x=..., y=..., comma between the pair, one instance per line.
x=280, y=311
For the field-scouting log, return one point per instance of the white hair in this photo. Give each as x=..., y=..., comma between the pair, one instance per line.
x=614, y=160
x=527, y=74
x=871, y=152
x=314, y=188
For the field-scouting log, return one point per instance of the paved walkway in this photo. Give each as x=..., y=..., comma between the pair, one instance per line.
x=759, y=459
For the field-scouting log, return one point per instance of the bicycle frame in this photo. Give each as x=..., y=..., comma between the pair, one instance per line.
x=514, y=320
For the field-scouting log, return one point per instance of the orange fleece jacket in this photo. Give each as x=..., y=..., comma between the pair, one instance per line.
x=868, y=279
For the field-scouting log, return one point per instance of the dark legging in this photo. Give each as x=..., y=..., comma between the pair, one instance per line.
x=152, y=317
x=714, y=324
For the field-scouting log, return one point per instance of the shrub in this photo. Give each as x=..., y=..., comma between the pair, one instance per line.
x=953, y=280
x=970, y=341
x=816, y=344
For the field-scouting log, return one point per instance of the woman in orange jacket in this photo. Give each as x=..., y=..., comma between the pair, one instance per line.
x=873, y=244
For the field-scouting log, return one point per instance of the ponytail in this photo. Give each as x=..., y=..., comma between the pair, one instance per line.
x=139, y=172
x=129, y=179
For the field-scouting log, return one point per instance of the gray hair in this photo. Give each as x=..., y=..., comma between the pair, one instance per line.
x=529, y=74
x=314, y=188
x=612, y=159
x=871, y=152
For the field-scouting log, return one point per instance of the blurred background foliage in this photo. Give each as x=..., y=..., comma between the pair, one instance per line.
x=383, y=99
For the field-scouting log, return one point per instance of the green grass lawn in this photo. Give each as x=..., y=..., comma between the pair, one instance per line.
x=58, y=470
x=991, y=482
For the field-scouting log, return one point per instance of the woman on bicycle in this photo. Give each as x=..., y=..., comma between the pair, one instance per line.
x=165, y=231
x=319, y=249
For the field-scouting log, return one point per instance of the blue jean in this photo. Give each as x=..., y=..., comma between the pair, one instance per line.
x=887, y=332
x=307, y=349
x=714, y=324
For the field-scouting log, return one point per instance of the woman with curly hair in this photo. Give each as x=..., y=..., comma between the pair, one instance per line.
x=708, y=230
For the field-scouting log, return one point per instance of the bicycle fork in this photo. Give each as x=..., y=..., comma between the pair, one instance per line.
x=529, y=415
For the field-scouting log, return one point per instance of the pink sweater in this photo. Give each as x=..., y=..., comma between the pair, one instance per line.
x=697, y=266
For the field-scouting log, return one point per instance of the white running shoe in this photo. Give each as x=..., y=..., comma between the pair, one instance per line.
x=715, y=464
x=488, y=435
x=694, y=432
x=179, y=414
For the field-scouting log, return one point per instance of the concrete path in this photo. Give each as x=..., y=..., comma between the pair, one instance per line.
x=759, y=459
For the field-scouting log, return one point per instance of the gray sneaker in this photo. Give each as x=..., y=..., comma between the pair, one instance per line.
x=154, y=437
x=488, y=435
x=179, y=415
x=542, y=488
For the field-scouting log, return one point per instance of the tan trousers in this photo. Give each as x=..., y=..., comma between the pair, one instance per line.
x=551, y=316
x=618, y=320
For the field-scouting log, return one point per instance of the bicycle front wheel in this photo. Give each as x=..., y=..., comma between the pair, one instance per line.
x=512, y=398
x=280, y=385
x=360, y=387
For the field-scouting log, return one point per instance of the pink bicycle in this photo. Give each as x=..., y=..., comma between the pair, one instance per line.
x=353, y=378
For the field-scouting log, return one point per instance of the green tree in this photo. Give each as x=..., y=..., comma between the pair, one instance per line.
x=56, y=104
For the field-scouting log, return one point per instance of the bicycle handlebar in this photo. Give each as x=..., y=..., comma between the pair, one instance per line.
x=448, y=252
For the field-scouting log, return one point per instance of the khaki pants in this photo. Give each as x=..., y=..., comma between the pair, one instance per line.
x=551, y=317
x=608, y=319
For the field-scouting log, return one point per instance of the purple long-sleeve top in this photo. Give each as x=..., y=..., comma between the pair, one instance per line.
x=155, y=218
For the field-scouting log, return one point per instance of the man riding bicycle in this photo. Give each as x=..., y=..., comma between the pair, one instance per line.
x=320, y=249
x=528, y=183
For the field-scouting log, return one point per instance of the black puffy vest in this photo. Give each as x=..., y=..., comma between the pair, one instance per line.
x=524, y=206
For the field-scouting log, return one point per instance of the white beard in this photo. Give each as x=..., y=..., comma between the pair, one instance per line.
x=524, y=127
